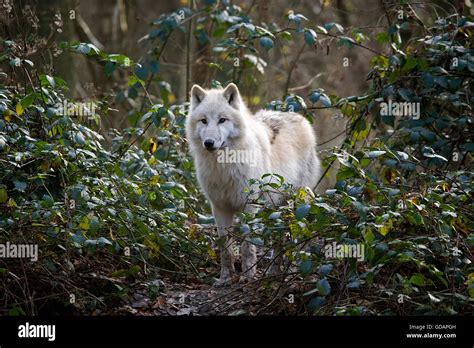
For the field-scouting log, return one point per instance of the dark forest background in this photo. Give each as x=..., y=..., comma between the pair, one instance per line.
x=111, y=198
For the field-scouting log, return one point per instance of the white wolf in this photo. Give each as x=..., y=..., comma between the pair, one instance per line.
x=279, y=142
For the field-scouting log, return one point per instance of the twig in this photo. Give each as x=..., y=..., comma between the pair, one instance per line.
x=87, y=31
x=306, y=85
x=292, y=67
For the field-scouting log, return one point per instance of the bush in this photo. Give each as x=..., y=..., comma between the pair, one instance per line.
x=114, y=215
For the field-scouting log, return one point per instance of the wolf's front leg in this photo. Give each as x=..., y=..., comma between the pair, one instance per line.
x=248, y=254
x=224, y=221
x=276, y=262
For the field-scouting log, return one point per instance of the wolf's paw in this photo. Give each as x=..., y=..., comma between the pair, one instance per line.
x=273, y=271
x=246, y=278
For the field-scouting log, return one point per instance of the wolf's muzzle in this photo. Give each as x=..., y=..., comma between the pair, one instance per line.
x=209, y=144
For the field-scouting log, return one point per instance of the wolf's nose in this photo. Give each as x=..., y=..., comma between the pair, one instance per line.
x=209, y=144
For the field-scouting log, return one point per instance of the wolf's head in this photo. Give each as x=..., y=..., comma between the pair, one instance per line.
x=216, y=118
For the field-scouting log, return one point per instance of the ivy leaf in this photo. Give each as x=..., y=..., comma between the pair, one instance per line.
x=203, y=219
x=3, y=195
x=8, y=115
x=306, y=267
x=375, y=154
x=20, y=185
x=19, y=109
x=314, y=96
x=405, y=94
x=323, y=287
x=266, y=42
x=385, y=228
x=324, y=270
x=302, y=211
x=84, y=224
x=79, y=138
x=417, y=279
x=433, y=298
x=244, y=229
x=355, y=284
x=325, y=100
x=51, y=81
x=339, y=28
x=322, y=29
x=316, y=303
x=310, y=36
x=275, y=215
x=15, y=62
x=109, y=68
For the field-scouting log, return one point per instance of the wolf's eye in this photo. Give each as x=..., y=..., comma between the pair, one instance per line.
x=222, y=120
x=204, y=121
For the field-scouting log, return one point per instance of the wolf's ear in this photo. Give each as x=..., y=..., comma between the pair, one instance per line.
x=232, y=95
x=197, y=96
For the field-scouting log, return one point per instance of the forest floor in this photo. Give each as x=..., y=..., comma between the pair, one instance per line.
x=198, y=298
x=188, y=299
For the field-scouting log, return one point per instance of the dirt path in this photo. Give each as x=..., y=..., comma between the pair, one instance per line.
x=190, y=299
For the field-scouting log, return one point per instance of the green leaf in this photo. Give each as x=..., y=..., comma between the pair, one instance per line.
x=325, y=100
x=266, y=42
x=244, y=228
x=375, y=154
x=101, y=241
x=369, y=236
x=286, y=35
x=417, y=279
x=314, y=96
x=405, y=94
x=27, y=100
x=410, y=63
x=470, y=240
x=302, y=210
x=15, y=62
x=215, y=65
x=433, y=298
x=329, y=26
x=275, y=215
x=306, y=267
x=324, y=270
x=385, y=228
x=321, y=29
x=345, y=41
x=203, y=219
x=133, y=80
x=51, y=81
x=323, y=287
x=344, y=173
x=20, y=185
x=382, y=37
x=3, y=195
x=19, y=109
x=355, y=284
x=316, y=303
x=109, y=68
x=79, y=138
x=310, y=36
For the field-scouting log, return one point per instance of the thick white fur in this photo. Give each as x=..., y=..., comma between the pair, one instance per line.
x=282, y=143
